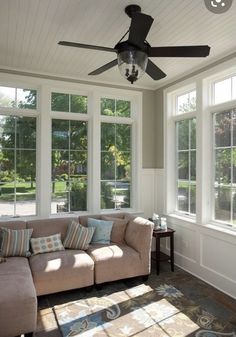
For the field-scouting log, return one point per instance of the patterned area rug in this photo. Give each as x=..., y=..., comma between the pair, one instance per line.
x=142, y=311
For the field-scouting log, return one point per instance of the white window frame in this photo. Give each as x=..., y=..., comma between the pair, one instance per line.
x=44, y=116
x=205, y=107
x=18, y=112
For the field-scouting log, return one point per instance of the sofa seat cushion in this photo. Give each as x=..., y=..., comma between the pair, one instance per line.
x=114, y=262
x=17, y=298
x=61, y=270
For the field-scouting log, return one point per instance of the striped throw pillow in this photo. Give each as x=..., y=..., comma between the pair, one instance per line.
x=15, y=242
x=47, y=244
x=78, y=236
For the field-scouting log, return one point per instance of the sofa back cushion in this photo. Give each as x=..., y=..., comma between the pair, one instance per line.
x=83, y=220
x=47, y=227
x=118, y=228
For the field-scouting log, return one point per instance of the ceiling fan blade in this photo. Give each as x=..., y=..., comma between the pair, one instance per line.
x=104, y=68
x=139, y=28
x=86, y=46
x=179, y=51
x=154, y=72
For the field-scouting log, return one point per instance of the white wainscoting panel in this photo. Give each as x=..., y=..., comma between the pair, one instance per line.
x=219, y=256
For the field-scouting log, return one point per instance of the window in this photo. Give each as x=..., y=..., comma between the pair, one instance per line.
x=115, y=165
x=186, y=102
x=69, y=166
x=67, y=147
x=18, y=98
x=113, y=107
x=69, y=103
x=116, y=156
x=224, y=90
x=186, y=165
x=225, y=166
x=17, y=165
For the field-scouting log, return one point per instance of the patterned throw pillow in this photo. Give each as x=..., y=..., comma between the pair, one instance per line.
x=78, y=237
x=47, y=244
x=15, y=242
x=102, y=232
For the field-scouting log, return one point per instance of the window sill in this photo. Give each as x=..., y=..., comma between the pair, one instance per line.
x=222, y=229
x=181, y=217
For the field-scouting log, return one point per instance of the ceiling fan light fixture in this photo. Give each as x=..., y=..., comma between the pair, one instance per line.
x=132, y=64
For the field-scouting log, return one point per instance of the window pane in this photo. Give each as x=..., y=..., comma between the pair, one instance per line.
x=7, y=97
x=7, y=198
x=223, y=166
x=123, y=137
x=193, y=133
x=193, y=199
x=26, y=133
x=183, y=165
x=78, y=163
x=78, y=135
x=107, y=194
x=26, y=165
x=107, y=106
x=123, y=170
x=222, y=91
x=60, y=165
x=60, y=102
x=107, y=166
x=78, y=104
x=26, y=98
x=222, y=129
x=60, y=197
x=60, y=134
x=186, y=102
x=78, y=195
x=108, y=133
x=123, y=108
x=193, y=165
x=183, y=134
x=26, y=197
x=7, y=132
x=122, y=198
x=183, y=196
x=222, y=203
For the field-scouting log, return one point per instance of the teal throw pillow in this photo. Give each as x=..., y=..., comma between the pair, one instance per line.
x=102, y=232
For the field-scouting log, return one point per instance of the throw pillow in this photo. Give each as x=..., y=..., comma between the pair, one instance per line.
x=78, y=237
x=15, y=242
x=102, y=232
x=118, y=228
x=47, y=244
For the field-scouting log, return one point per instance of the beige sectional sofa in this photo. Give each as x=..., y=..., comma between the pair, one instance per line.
x=23, y=279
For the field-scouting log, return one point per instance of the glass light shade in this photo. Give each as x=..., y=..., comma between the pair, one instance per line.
x=132, y=64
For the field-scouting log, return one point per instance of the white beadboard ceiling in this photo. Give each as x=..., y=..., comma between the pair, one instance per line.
x=30, y=30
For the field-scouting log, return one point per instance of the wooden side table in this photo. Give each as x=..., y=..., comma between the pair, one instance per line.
x=163, y=233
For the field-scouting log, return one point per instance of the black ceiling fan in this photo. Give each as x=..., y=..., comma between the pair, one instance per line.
x=132, y=54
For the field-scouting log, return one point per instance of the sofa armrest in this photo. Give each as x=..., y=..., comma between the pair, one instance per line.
x=139, y=236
